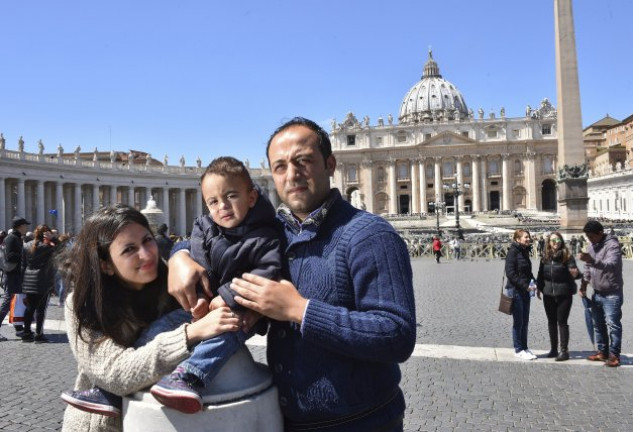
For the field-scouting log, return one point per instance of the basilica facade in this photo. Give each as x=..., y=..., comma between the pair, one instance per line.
x=441, y=153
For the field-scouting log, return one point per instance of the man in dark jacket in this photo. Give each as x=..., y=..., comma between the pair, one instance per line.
x=603, y=270
x=164, y=242
x=13, y=247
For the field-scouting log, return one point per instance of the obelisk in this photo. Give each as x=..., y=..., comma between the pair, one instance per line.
x=572, y=166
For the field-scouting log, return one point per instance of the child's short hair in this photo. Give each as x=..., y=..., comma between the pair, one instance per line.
x=227, y=166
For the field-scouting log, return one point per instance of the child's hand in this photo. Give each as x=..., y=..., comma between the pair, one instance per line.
x=200, y=309
x=217, y=302
x=249, y=319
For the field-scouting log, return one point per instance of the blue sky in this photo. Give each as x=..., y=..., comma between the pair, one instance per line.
x=210, y=78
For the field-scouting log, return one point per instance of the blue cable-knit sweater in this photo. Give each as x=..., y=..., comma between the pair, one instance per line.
x=339, y=369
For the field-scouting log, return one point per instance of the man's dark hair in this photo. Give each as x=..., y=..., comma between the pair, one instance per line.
x=594, y=227
x=325, y=146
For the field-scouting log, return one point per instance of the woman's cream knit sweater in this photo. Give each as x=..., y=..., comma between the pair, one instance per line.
x=117, y=369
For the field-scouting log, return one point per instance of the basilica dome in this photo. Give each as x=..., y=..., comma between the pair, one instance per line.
x=432, y=98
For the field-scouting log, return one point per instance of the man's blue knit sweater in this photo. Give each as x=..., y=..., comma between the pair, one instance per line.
x=339, y=369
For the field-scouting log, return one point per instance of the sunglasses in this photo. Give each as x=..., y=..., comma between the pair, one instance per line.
x=555, y=240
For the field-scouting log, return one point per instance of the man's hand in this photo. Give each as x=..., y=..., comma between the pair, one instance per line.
x=277, y=300
x=582, y=292
x=584, y=256
x=184, y=275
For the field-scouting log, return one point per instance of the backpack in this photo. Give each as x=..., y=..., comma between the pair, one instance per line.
x=5, y=266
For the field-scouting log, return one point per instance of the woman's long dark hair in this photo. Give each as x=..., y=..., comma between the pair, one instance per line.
x=102, y=303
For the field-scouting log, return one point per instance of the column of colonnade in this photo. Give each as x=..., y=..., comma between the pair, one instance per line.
x=64, y=204
x=415, y=186
x=479, y=189
x=393, y=191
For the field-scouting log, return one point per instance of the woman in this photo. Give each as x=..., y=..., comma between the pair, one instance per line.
x=38, y=282
x=437, y=248
x=519, y=274
x=556, y=275
x=118, y=286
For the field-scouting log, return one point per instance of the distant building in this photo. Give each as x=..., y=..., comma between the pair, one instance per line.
x=498, y=162
x=609, y=148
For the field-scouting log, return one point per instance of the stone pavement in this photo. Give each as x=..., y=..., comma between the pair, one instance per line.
x=462, y=375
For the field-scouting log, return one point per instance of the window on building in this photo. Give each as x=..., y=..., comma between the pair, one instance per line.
x=351, y=140
x=516, y=133
x=491, y=133
x=548, y=164
x=448, y=169
x=465, y=133
x=403, y=171
x=518, y=167
x=429, y=171
x=466, y=170
x=379, y=140
x=380, y=175
x=546, y=129
x=427, y=136
x=493, y=167
x=352, y=174
x=402, y=137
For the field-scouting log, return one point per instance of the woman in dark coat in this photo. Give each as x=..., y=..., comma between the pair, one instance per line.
x=38, y=282
x=555, y=281
x=519, y=274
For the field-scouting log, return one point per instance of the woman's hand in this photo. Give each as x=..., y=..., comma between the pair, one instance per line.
x=216, y=322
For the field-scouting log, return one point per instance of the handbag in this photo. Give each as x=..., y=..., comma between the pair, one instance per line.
x=505, y=302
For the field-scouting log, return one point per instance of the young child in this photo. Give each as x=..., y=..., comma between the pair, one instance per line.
x=237, y=236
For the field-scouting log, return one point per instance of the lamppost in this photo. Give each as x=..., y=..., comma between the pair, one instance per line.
x=438, y=205
x=457, y=191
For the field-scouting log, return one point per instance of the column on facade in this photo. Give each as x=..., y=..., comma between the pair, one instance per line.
x=29, y=197
x=423, y=198
x=96, y=201
x=438, y=179
x=460, y=181
x=198, y=206
x=340, y=184
x=148, y=194
x=530, y=180
x=367, y=179
x=476, y=183
x=130, y=196
x=415, y=186
x=41, y=206
x=393, y=192
x=182, y=212
x=3, y=200
x=59, y=206
x=507, y=188
x=111, y=195
x=21, y=208
x=483, y=163
x=165, y=208
x=77, y=222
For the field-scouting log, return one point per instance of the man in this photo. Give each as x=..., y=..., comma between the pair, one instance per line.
x=603, y=269
x=164, y=242
x=346, y=317
x=457, y=248
x=13, y=244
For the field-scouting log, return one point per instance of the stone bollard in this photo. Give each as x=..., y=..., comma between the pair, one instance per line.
x=240, y=398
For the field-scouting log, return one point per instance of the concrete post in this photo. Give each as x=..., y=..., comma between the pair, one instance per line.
x=240, y=398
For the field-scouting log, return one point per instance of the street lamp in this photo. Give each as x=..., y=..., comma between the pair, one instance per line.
x=438, y=205
x=457, y=191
